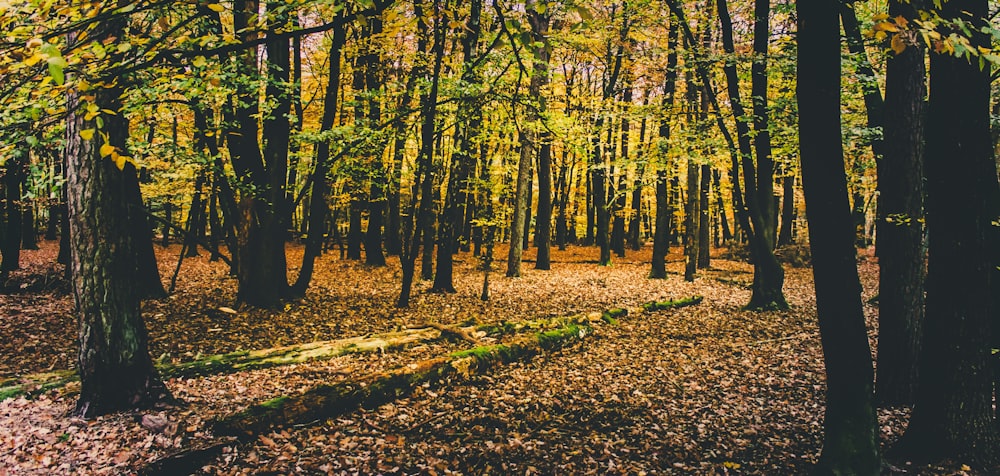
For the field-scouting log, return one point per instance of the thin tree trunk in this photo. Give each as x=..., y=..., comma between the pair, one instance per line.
x=850, y=437
x=318, y=207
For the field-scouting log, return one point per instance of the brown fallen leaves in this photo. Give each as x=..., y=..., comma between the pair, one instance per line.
x=707, y=389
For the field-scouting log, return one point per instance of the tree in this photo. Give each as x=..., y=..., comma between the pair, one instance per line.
x=664, y=213
x=115, y=369
x=850, y=436
x=953, y=415
x=900, y=227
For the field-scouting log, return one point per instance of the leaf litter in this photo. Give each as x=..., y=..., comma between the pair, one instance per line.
x=707, y=389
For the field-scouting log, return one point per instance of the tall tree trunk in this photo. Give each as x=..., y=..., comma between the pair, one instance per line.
x=900, y=226
x=769, y=277
x=196, y=216
x=635, y=222
x=463, y=163
x=787, y=210
x=850, y=431
x=376, y=198
x=704, y=217
x=874, y=106
x=115, y=369
x=13, y=177
x=691, y=221
x=424, y=180
x=664, y=212
x=953, y=414
x=318, y=207
x=543, y=222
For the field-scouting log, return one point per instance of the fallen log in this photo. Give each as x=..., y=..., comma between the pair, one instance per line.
x=654, y=306
x=35, y=384
x=327, y=401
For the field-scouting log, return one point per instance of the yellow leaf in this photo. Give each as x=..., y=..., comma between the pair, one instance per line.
x=215, y=7
x=106, y=149
x=119, y=160
x=33, y=59
x=886, y=26
x=87, y=134
x=897, y=44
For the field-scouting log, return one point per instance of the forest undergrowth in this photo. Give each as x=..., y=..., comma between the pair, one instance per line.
x=706, y=389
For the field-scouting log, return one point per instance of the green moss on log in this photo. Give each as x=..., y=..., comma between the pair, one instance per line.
x=328, y=401
x=673, y=304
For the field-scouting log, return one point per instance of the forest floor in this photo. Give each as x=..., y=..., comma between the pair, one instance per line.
x=707, y=389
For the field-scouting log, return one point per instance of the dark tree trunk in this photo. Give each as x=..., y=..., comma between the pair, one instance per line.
x=635, y=223
x=260, y=251
x=769, y=277
x=850, y=431
x=787, y=210
x=196, y=217
x=423, y=220
x=874, y=106
x=115, y=369
x=704, y=218
x=727, y=234
x=543, y=221
x=900, y=226
x=354, y=234
x=453, y=218
x=691, y=221
x=29, y=234
x=13, y=176
x=318, y=207
x=376, y=199
x=953, y=414
x=147, y=282
x=393, y=232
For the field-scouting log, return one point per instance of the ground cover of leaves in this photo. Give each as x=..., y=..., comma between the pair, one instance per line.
x=708, y=389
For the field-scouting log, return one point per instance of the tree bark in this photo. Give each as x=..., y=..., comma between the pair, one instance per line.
x=115, y=369
x=850, y=430
x=457, y=203
x=769, y=277
x=704, y=215
x=664, y=212
x=318, y=207
x=900, y=226
x=953, y=414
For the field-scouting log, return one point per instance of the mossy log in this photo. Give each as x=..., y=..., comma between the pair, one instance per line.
x=327, y=401
x=35, y=384
x=673, y=304
x=298, y=353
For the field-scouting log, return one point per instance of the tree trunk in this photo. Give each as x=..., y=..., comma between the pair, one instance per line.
x=704, y=215
x=453, y=218
x=519, y=225
x=13, y=177
x=787, y=210
x=424, y=179
x=953, y=414
x=874, y=106
x=115, y=369
x=769, y=277
x=691, y=221
x=318, y=207
x=900, y=226
x=543, y=221
x=850, y=431
x=664, y=212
